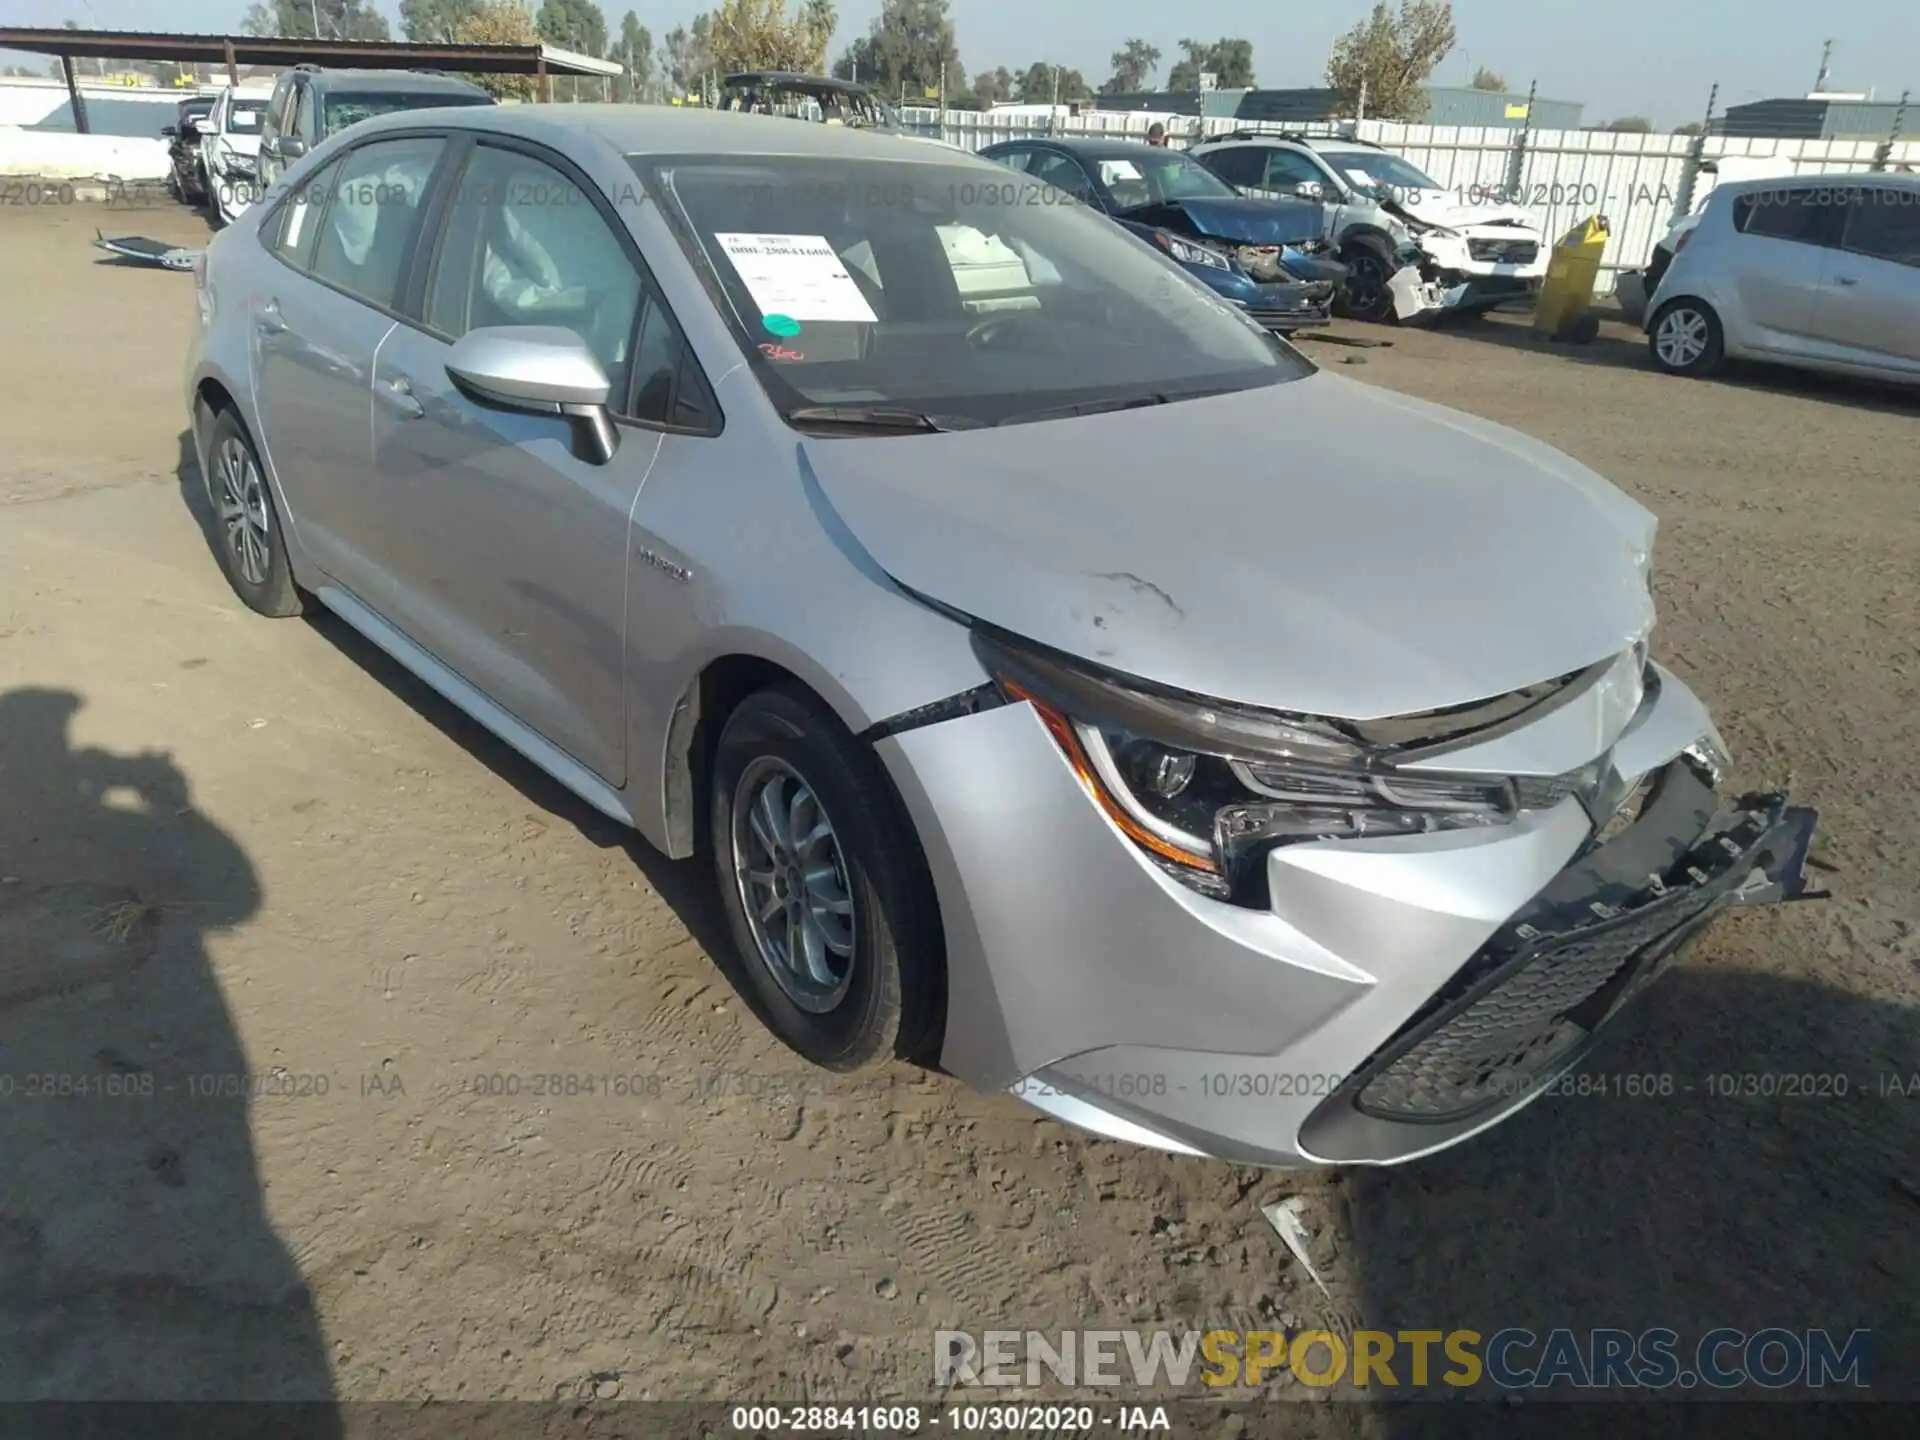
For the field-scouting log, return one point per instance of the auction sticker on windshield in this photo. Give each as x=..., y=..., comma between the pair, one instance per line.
x=796, y=276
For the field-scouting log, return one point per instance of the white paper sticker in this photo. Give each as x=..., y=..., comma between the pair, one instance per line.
x=797, y=276
x=1114, y=170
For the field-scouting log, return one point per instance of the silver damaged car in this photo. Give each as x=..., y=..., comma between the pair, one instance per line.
x=1071, y=686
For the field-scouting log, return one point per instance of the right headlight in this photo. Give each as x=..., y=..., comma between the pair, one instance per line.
x=1188, y=253
x=1206, y=789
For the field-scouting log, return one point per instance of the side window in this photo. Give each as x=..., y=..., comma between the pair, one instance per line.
x=277, y=108
x=304, y=126
x=1021, y=160
x=1238, y=165
x=371, y=217
x=1065, y=173
x=297, y=227
x=1885, y=223
x=524, y=245
x=1285, y=170
x=667, y=388
x=1805, y=214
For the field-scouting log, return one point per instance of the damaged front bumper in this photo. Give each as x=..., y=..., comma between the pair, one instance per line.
x=1394, y=996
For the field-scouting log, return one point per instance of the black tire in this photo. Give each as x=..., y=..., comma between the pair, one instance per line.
x=1694, y=317
x=893, y=976
x=247, y=528
x=1365, y=295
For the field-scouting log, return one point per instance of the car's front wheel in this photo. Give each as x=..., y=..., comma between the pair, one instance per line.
x=1366, y=295
x=825, y=889
x=247, y=533
x=1685, y=338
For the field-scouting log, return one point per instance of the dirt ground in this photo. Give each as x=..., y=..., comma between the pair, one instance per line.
x=243, y=863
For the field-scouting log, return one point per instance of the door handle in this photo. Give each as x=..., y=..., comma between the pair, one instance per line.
x=268, y=320
x=398, y=393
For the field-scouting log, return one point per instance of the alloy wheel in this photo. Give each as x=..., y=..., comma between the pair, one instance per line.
x=792, y=882
x=1682, y=338
x=244, y=510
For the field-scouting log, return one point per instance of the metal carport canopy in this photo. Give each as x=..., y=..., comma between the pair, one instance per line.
x=288, y=50
x=236, y=50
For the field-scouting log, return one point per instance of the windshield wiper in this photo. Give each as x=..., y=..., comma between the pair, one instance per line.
x=1102, y=407
x=879, y=417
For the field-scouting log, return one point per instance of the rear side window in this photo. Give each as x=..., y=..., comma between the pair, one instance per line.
x=372, y=215
x=1809, y=215
x=294, y=231
x=1065, y=174
x=1884, y=222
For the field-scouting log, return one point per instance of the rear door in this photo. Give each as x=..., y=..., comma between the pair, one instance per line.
x=318, y=318
x=507, y=551
x=1777, y=260
x=1869, y=303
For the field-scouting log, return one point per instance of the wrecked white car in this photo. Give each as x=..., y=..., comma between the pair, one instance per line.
x=1473, y=253
x=230, y=150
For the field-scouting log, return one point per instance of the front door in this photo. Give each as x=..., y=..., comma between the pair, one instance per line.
x=1869, y=301
x=1778, y=261
x=507, y=552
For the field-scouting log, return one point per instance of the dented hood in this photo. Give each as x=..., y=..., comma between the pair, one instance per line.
x=1241, y=220
x=1317, y=546
x=1438, y=207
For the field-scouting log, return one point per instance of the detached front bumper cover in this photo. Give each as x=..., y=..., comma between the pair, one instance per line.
x=1532, y=1001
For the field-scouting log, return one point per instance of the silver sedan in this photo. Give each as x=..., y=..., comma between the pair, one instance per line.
x=1070, y=684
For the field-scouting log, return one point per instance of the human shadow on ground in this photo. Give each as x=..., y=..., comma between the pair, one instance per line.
x=137, y=1259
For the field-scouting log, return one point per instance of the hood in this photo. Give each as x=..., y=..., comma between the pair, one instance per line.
x=246, y=145
x=1440, y=207
x=1319, y=546
x=1243, y=220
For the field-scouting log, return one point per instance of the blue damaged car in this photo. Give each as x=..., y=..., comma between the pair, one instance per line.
x=1266, y=256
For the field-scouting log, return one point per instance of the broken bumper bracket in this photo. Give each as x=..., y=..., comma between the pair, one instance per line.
x=1780, y=877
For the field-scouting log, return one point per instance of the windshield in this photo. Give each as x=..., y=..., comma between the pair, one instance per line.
x=1381, y=174
x=345, y=110
x=244, y=115
x=944, y=289
x=1158, y=177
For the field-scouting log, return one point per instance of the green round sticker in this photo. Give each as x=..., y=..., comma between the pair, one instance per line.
x=785, y=326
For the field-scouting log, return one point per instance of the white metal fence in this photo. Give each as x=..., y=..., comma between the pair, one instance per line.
x=1640, y=183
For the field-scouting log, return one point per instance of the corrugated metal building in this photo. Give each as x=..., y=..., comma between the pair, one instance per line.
x=1446, y=105
x=1814, y=120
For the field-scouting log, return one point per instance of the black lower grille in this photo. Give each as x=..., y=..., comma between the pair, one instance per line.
x=1504, y=252
x=1532, y=999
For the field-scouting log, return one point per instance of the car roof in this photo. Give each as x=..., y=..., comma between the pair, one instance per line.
x=413, y=82
x=680, y=130
x=1850, y=178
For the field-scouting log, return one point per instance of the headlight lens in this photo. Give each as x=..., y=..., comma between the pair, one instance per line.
x=1207, y=789
x=1188, y=253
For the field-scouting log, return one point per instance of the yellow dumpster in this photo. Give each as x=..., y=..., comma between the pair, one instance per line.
x=1566, y=295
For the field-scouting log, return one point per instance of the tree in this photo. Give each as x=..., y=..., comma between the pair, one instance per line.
x=1485, y=79
x=500, y=22
x=1391, y=57
x=761, y=35
x=684, y=57
x=339, y=19
x=1630, y=125
x=576, y=25
x=909, y=48
x=1036, y=85
x=434, y=22
x=1692, y=127
x=634, y=49
x=1230, y=62
x=1133, y=68
x=992, y=87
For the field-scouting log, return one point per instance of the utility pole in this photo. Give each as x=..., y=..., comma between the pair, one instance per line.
x=1362, y=108
x=1826, y=56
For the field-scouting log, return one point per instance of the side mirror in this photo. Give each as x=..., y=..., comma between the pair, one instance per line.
x=203, y=126
x=1310, y=190
x=168, y=132
x=539, y=370
x=291, y=149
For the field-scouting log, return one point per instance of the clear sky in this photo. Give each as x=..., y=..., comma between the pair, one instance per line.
x=1624, y=57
